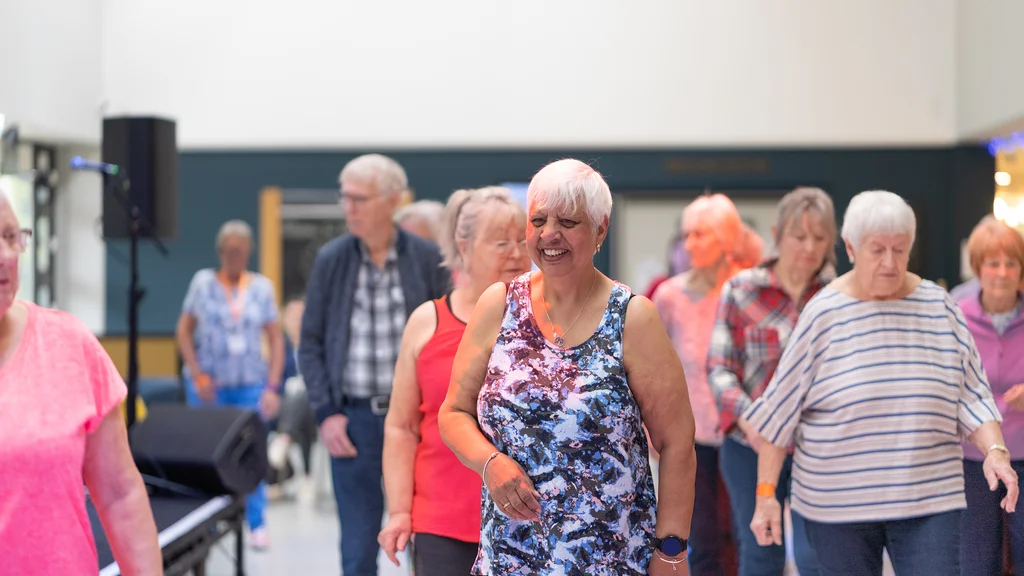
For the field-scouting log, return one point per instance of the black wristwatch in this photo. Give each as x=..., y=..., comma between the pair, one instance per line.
x=671, y=545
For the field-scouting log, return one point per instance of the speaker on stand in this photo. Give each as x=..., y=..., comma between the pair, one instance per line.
x=142, y=203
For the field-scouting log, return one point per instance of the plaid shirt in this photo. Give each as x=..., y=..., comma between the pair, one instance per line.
x=378, y=318
x=754, y=320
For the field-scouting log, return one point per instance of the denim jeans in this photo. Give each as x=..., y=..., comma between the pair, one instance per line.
x=359, y=493
x=929, y=545
x=981, y=525
x=247, y=397
x=739, y=470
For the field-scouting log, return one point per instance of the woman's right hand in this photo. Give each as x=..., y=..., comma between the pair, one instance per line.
x=204, y=386
x=395, y=535
x=511, y=489
x=767, y=522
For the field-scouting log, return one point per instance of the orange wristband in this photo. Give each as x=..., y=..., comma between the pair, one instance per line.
x=766, y=490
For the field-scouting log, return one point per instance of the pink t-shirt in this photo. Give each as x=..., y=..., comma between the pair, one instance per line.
x=54, y=391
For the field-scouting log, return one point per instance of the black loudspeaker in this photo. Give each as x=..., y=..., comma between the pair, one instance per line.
x=213, y=450
x=147, y=150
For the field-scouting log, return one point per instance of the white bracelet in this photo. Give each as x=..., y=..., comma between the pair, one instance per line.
x=483, y=474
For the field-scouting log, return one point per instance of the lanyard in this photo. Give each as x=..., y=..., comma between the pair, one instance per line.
x=236, y=303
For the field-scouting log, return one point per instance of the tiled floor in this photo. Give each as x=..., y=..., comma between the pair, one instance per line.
x=304, y=540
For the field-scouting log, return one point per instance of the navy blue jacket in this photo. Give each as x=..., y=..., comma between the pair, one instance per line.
x=324, y=343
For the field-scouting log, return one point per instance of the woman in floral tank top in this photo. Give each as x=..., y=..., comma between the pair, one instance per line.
x=552, y=386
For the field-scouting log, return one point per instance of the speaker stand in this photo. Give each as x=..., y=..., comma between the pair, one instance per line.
x=119, y=185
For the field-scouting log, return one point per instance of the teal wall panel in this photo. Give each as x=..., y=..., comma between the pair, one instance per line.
x=952, y=187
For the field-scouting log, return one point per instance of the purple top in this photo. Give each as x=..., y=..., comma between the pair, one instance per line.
x=1004, y=365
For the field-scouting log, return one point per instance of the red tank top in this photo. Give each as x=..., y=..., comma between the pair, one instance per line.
x=446, y=494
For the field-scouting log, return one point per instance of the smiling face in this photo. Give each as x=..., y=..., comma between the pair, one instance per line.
x=1000, y=275
x=880, y=264
x=498, y=253
x=563, y=243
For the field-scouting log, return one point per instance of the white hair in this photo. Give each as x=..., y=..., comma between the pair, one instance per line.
x=462, y=217
x=384, y=173
x=429, y=212
x=877, y=212
x=565, y=184
x=239, y=228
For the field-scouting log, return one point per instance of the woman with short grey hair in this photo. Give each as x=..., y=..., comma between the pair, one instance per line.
x=223, y=319
x=880, y=380
x=558, y=374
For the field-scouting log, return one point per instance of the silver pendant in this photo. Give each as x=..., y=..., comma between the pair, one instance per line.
x=559, y=341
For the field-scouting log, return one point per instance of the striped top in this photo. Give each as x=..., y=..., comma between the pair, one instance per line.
x=876, y=396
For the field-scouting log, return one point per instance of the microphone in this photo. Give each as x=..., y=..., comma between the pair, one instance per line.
x=79, y=163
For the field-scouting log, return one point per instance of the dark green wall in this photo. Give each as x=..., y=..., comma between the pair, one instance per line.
x=951, y=186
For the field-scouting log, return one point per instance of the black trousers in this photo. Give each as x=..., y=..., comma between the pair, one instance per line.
x=442, y=556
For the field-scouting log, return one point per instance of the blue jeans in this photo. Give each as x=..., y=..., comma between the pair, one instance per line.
x=981, y=525
x=246, y=397
x=929, y=545
x=739, y=470
x=360, y=494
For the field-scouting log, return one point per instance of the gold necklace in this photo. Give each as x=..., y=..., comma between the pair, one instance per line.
x=560, y=340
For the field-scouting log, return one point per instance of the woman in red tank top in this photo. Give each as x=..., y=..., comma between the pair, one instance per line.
x=432, y=498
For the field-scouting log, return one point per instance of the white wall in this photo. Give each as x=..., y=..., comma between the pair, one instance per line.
x=532, y=72
x=990, y=86
x=51, y=75
x=80, y=273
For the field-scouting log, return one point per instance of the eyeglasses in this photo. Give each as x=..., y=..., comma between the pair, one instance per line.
x=504, y=247
x=354, y=199
x=17, y=240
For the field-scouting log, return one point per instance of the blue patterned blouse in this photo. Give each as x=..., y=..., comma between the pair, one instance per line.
x=568, y=417
x=229, y=348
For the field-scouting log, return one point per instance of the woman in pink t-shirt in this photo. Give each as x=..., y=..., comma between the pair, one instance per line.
x=59, y=427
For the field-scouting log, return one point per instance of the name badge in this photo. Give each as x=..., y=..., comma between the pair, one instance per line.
x=236, y=344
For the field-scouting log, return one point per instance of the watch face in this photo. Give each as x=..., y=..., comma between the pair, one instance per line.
x=671, y=546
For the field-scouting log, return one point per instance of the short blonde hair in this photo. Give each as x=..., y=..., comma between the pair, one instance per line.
x=565, y=185
x=807, y=200
x=991, y=237
x=462, y=218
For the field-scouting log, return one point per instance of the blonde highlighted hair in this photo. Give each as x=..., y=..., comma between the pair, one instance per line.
x=462, y=219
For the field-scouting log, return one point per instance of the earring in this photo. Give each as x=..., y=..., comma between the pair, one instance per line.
x=598, y=248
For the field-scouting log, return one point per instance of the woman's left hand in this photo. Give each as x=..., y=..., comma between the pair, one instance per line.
x=997, y=468
x=270, y=404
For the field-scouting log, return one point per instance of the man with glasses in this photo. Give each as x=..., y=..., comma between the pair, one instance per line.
x=362, y=287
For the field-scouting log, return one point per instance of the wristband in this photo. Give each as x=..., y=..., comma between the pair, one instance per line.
x=766, y=490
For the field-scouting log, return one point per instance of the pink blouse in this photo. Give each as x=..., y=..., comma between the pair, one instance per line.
x=54, y=391
x=689, y=324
